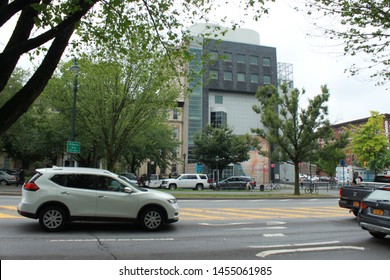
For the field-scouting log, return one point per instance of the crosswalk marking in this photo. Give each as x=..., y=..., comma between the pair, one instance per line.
x=261, y=213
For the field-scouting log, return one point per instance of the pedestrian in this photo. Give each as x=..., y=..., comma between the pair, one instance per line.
x=248, y=186
x=356, y=179
x=21, y=176
x=301, y=182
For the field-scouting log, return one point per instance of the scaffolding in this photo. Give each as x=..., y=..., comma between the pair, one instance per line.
x=286, y=74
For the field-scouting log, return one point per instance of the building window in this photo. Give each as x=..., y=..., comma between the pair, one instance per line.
x=267, y=79
x=255, y=78
x=227, y=75
x=254, y=60
x=266, y=61
x=218, y=99
x=213, y=74
x=240, y=58
x=175, y=114
x=218, y=119
x=227, y=57
x=240, y=77
x=213, y=56
x=175, y=133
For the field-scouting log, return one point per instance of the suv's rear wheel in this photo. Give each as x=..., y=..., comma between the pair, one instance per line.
x=152, y=219
x=52, y=218
x=199, y=187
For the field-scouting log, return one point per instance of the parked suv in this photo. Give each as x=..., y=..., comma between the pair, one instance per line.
x=186, y=181
x=59, y=195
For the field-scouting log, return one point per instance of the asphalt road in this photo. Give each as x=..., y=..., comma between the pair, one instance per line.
x=263, y=229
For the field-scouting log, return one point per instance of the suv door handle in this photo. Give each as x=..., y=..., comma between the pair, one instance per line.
x=65, y=193
x=102, y=196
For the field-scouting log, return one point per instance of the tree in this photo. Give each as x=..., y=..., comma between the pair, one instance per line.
x=154, y=142
x=116, y=102
x=364, y=27
x=332, y=152
x=369, y=143
x=293, y=133
x=36, y=137
x=218, y=146
x=45, y=27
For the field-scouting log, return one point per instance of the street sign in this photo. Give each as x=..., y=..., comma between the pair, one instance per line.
x=73, y=147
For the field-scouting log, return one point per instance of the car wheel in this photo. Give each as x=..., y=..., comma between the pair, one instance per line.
x=3, y=183
x=199, y=187
x=172, y=187
x=152, y=219
x=355, y=212
x=379, y=235
x=52, y=218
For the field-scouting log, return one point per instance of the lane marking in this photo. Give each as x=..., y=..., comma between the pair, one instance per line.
x=112, y=240
x=274, y=235
x=311, y=249
x=293, y=245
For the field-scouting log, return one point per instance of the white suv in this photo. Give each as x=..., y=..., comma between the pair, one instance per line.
x=186, y=181
x=59, y=195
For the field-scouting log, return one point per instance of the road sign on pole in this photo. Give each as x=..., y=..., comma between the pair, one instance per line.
x=73, y=147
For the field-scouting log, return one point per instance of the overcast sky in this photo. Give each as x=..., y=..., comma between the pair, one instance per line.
x=315, y=64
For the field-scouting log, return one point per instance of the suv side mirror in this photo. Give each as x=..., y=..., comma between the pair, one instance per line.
x=128, y=190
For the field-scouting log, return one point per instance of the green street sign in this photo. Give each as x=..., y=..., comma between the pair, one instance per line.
x=73, y=147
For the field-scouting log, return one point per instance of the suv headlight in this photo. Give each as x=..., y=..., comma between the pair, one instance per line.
x=172, y=201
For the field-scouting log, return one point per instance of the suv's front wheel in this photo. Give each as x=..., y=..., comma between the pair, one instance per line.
x=152, y=219
x=52, y=218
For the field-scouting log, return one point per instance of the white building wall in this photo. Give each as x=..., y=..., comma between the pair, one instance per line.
x=240, y=115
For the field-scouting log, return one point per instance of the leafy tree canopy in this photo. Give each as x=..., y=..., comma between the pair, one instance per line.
x=364, y=27
x=45, y=28
x=218, y=146
x=293, y=132
x=369, y=143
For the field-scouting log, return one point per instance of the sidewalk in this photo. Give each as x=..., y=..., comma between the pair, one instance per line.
x=11, y=190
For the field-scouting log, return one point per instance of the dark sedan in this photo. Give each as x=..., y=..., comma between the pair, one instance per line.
x=233, y=182
x=374, y=213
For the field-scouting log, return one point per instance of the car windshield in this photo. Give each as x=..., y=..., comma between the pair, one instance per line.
x=382, y=195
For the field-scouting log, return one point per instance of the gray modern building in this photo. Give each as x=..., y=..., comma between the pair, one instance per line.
x=226, y=91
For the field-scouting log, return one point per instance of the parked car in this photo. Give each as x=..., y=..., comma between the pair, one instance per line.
x=374, y=213
x=59, y=195
x=153, y=181
x=186, y=181
x=7, y=179
x=132, y=177
x=234, y=182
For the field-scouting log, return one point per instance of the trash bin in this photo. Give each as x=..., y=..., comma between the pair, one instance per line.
x=261, y=187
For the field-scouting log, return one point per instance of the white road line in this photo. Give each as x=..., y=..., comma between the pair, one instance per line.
x=311, y=249
x=262, y=228
x=294, y=245
x=223, y=225
x=112, y=240
x=273, y=235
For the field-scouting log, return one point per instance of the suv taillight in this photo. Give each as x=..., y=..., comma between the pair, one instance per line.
x=31, y=186
x=363, y=205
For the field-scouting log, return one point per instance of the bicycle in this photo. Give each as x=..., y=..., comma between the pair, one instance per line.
x=311, y=189
x=272, y=187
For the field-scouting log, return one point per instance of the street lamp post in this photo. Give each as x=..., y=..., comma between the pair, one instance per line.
x=75, y=69
x=184, y=163
x=217, y=177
